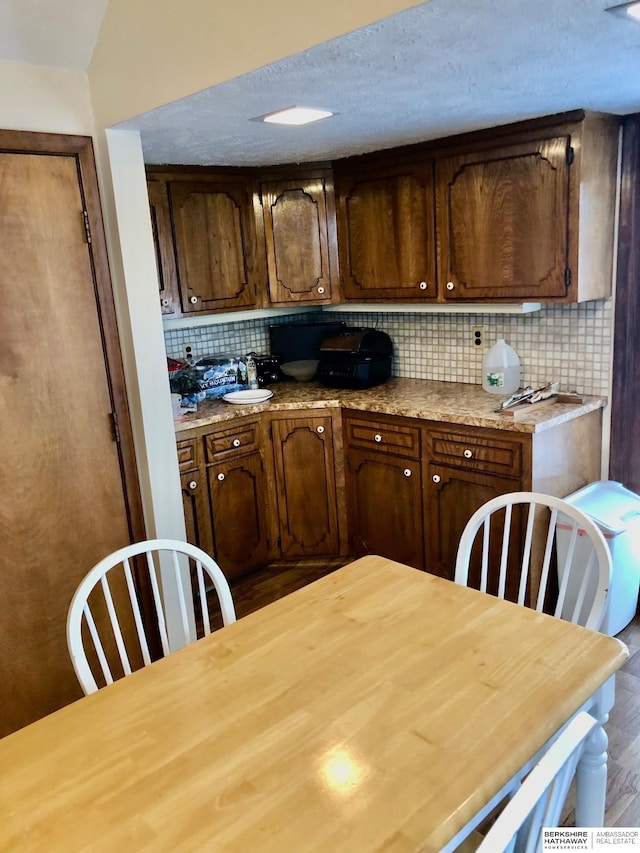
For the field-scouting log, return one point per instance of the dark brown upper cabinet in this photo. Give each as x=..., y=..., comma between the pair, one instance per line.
x=530, y=218
x=502, y=222
x=163, y=242
x=300, y=237
x=386, y=233
x=213, y=233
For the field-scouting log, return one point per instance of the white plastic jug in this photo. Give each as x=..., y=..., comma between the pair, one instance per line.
x=501, y=369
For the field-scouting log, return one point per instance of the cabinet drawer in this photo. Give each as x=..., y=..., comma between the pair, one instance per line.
x=477, y=451
x=237, y=439
x=188, y=454
x=397, y=438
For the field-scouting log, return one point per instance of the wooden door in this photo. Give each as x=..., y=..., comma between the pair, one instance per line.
x=163, y=242
x=503, y=222
x=300, y=239
x=306, y=486
x=69, y=493
x=384, y=506
x=452, y=496
x=237, y=493
x=386, y=234
x=213, y=242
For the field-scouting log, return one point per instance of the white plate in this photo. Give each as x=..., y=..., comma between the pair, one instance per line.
x=247, y=397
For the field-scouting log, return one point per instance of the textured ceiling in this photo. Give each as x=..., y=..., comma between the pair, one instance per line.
x=56, y=33
x=442, y=67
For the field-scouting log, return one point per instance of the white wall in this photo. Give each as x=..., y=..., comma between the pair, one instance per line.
x=49, y=100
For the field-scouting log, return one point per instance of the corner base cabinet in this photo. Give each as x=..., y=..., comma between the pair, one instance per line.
x=306, y=495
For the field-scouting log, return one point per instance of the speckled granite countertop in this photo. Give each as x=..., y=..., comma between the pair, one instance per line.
x=449, y=402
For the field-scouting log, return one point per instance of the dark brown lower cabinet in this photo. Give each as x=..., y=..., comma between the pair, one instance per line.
x=305, y=485
x=276, y=488
x=384, y=501
x=197, y=510
x=453, y=495
x=237, y=492
x=385, y=506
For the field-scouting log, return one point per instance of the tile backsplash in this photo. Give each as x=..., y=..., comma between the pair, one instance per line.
x=570, y=344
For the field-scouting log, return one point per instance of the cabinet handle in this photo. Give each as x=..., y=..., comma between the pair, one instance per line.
x=436, y=478
x=164, y=303
x=468, y=454
x=450, y=285
x=193, y=300
x=423, y=285
x=321, y=290
x=236, y=442
x=221, y=476
x=407, y=472
x=320, y=429
x=377, y=437
x=193, y=485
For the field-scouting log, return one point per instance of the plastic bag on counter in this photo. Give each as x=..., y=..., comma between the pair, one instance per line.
x=209, y=377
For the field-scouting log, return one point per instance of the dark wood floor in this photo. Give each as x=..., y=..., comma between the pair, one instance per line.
x=623, y=792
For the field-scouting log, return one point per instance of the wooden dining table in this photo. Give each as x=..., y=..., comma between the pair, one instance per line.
x=379, y=708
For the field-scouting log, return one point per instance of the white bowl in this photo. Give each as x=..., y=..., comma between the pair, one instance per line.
x=303, y=371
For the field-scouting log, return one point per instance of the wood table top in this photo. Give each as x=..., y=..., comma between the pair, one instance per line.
x=377, y=709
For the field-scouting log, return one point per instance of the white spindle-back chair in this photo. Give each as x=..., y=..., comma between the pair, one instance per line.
x=538, y=802
x=589, y=581
x=180, y=557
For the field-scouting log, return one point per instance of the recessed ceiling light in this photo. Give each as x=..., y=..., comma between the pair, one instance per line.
x=629, y=10
x=295, y=115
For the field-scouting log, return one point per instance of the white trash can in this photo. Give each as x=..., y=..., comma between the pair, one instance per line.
x=616, y=511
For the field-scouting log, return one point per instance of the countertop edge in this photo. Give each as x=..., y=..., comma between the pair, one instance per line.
x=466, y=405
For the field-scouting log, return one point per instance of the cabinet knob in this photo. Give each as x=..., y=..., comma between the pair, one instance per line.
x=407, y=472
x=468, y=454
x=436, y=478
x=193, y=300
x=320, y=429
x=423, y=285
x=450, y=285
x=321, y=290
x=377, y=437
x=193, y=485
x=221, y=476
x=164, y=303
x=236, y=442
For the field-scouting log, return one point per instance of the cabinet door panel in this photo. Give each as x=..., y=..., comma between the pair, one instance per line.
x=453, y=496
x=163, y=242
x=197, y=512
x=237, y=499
x=384, y=498
x=503, y=219
x=386, y=235
x=212, y=236
x=297, y=238
x=306, y=486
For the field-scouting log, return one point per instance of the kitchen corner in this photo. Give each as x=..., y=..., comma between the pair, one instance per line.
x=396, y=469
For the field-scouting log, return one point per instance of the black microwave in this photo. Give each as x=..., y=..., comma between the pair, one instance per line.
x=301, y=341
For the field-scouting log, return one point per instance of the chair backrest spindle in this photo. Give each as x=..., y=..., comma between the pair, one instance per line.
x=525, y=572
x=114, y=619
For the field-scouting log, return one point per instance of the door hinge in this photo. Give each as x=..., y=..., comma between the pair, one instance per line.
x=115, y=427
x=570, y=155
x=567, y=277
x=87, y=227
